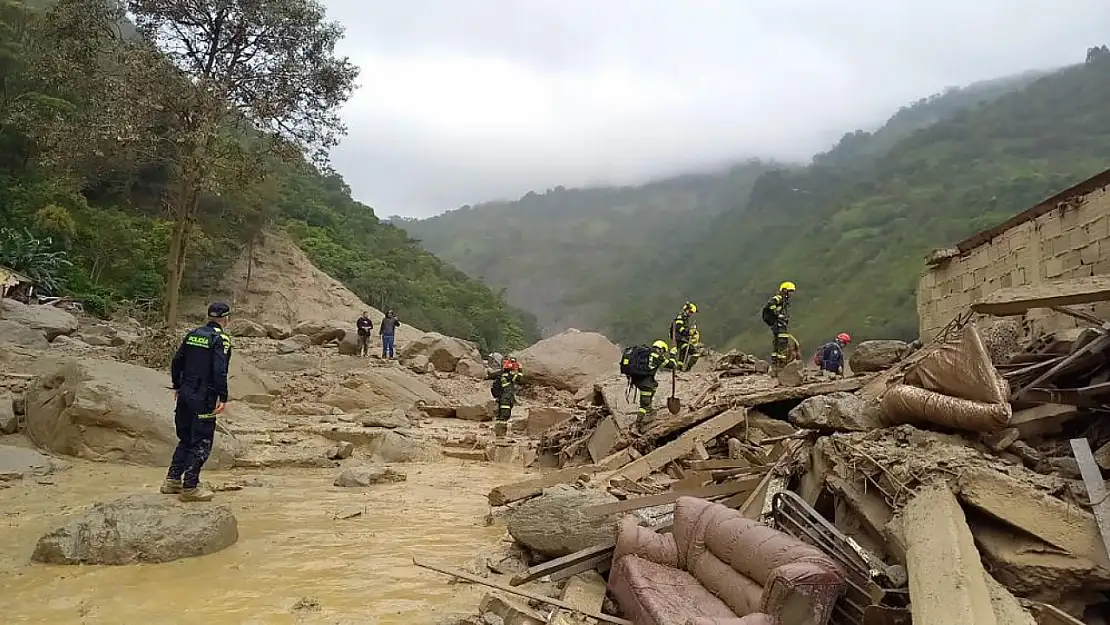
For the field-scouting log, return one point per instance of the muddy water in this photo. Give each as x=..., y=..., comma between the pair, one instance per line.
x=292, y=544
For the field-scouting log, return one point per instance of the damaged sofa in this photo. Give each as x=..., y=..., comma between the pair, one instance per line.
x=718, y=567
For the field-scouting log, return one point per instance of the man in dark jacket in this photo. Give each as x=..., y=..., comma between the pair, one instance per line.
x=364, y=326
x=199, y=375
x=388, y=331
x=640, y=364
x=831, y=355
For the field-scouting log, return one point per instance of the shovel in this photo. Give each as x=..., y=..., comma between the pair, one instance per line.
x=673, y=403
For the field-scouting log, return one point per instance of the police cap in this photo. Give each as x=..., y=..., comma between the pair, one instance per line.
x=218, y=309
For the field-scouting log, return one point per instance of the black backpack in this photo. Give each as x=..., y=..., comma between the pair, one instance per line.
x=496, y=388
x=636, y=361
x=769, y=316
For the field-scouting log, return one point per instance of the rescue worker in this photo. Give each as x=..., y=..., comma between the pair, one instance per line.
x=199, y=375
x=504, y=389
x=831, y=355
x=683, y=332
x=640, y=364
x=776, y=314
x=364, y=325
x=388, y=332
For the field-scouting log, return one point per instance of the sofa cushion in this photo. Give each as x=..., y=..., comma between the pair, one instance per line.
x=653, y=594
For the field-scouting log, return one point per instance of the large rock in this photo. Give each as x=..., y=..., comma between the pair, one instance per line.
x=553, y=524
x=101, y=336
x=348, y=345
x=569, y=360
x=471, y=368
x=541, y=418
x=139, y=528
x=107, y=410
x=13, y=333
x=248, y=328
x=395, y=447
x=836, y=412
x=51, y=321
x=368, y=476
x=9, y=423
x=395, y=418
x=482, y=411
x=444, y=352
x=289, y=363
x=293, y=344
x=247, y=382
x=870, y=356
x=276, y=331
x=17, y=462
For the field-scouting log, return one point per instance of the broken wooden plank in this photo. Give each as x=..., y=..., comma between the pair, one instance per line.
x=1096, y=488
x=569, y=560
x=673, y=423
x=1041, y=420
x=599, y=562
x=508, y=493
x=1087, y=351
x=1048, y=614
x=715, y=464
x=681, y=446
x=559, y=603
x=716, y=490
x=1080, y=315
x=604, y=439
x=1017, y=300
x=618, y=459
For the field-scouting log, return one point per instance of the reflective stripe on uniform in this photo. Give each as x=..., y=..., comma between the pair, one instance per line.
x=196, y=340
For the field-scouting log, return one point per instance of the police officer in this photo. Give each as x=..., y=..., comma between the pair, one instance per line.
x=199, y=373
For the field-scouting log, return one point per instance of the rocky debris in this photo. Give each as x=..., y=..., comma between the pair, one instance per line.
x=569, y=360
x=294, y=344
x=542, y=418
x=9, y=422
x=20, y=462
x=348, y=345
x=471, y=368
x=341, y=450
x=277, y=331
x=443, y=352
x=368, y=476
x=288, y=363
x=139, y=528
x=870, y=356
x=101, y=336
x=395, y=447
x=836, y=412
x=482, y=411
x=247, y=328
x=248, y=383
x=553, y=524
x=13, y=333
x=52, y=322
x=395, y=418
x=107, y=410
x=419, y=363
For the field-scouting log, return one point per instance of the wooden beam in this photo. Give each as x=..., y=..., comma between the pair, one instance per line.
x=508, y=493
x=1080, y=315
x=1017, y=300
x=1096, y=488
x=522, y=593
x=1093, y=347
x=716, y=490
x=552, y=566
x=681, y=446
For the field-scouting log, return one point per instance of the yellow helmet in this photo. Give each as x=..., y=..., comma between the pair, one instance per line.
x=690, y=307
x=660, y=345
x=787, y=286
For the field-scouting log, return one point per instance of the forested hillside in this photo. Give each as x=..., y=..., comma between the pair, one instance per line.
x=103, y=163
x=595, y=258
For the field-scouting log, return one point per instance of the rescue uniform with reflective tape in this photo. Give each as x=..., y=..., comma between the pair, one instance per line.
x=647, y=384
x=779, y=309
x=507, y=398
x=199, y=374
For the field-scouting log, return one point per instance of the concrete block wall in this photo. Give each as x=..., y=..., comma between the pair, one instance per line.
x=1070, y=241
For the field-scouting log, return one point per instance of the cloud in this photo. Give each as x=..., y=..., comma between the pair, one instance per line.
x=463, y=102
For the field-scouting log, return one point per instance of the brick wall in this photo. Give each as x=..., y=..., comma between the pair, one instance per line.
x=1068, y=242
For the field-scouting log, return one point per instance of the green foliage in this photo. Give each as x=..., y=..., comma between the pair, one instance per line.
x=34, y=257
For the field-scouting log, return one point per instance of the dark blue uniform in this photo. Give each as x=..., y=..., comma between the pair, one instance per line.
x=199, y=373
x=831, y=357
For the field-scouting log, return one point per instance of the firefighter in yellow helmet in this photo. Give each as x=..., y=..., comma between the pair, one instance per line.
x=776, y=314
x=640, y=363
x=684, y=335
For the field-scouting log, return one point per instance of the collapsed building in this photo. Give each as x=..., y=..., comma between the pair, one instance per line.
x=960, y=482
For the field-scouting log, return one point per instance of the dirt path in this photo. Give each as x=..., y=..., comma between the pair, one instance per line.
x=293, y=544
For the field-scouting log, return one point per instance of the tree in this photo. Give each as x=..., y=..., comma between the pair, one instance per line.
x=266, y=69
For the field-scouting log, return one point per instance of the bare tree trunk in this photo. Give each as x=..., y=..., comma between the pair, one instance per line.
x=173, y=268
x=250, y=265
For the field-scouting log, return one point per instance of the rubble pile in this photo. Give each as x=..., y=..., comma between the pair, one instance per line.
x=949, y=482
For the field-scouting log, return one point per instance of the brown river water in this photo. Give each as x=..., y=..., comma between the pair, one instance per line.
x=292, y=545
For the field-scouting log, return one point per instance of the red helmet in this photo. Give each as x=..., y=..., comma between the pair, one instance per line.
x=844, y=337
x=510, y=364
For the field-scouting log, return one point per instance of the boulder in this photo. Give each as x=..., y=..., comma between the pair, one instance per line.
x=348, y=345
x=444, y=352
x=870, y=356
x=288, y=363
x=341, y=450
x=484, y=411
x=108, y=410
x=368, y=476
x=12, y=333
x=419, y=363
x=248, y=328
x=395, y=447
x=17, y=462
x=51, y=321
x=553, y=524
x=569, y=360
x=836, y=412
x=276, y=331
x=139, y=528
x=541, y=418
x=471, y=368
x=248, y=383
x=328, y=335
x=313, y=327
x=395, y=418
x=101, y=336
x=9, y=423
x=293, y=344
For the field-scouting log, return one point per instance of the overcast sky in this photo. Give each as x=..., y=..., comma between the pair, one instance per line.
x=464, y=101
